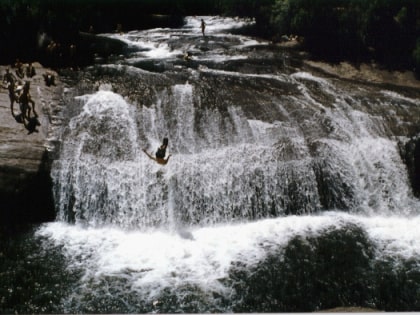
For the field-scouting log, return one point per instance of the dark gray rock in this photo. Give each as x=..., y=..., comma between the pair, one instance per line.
x=410, y=152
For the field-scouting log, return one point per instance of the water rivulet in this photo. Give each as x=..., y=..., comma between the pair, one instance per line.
x=286, y=189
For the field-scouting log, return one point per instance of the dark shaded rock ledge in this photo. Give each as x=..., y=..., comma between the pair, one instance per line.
x=25, y=183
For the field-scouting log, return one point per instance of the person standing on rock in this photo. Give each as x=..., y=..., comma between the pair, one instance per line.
x=9, y=80
x=11, y=86
x=8, y=77
x=12, y=95
x=24, y=100
x=30, y=123
x=203, y=26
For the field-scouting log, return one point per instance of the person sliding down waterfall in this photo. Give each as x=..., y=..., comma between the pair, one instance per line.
x=160, y=153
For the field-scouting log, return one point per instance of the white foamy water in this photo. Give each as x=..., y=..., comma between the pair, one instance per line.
x=398, y=98
x=224, y=167
x=170, y=44
x=215, y=24
x=156, y=259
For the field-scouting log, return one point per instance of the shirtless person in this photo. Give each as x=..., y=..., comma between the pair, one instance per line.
x=9, y=77
x=160, y=153
x=10, y=81
x=24, y=100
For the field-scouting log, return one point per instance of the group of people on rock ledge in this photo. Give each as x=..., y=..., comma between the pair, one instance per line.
x=19, y=92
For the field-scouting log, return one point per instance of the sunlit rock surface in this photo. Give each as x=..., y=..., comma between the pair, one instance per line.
x=25, y=184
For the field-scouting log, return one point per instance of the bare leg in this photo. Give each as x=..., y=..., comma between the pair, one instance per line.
x=25, y=123
x=12, y=101
x=12, y=97
x=33, y=107
x=26, y=111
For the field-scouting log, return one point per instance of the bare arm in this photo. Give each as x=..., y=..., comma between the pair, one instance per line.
x=158, y=160
x=150, y=156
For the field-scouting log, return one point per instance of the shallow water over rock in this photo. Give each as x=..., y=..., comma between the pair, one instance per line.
x=286, y=189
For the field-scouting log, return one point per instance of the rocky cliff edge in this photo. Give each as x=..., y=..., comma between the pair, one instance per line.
x=25, y=183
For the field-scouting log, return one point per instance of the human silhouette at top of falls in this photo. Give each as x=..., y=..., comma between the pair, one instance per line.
x=203, y=26
x=160, y=153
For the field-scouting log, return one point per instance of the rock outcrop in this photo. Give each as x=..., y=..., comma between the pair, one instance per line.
x=25, y=184
x=410, y=152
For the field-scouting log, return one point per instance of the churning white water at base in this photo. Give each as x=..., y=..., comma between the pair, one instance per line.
x=152, y=260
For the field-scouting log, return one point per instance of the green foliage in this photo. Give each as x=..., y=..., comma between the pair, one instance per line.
x=356, y=30
x=280, y=16
x=352, y=29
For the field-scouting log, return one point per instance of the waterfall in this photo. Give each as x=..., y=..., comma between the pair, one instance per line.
x=105, y=180
x=225, y=167
x=274, y=174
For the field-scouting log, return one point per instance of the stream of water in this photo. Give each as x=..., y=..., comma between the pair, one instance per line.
x=285, y=190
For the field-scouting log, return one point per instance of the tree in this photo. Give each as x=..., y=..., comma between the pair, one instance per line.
x=416, y=58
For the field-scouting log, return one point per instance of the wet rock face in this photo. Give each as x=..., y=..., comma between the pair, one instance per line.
x=410, y=153
x=307, y=140
x=337, y=268
x=308, y=274
x=25, y=183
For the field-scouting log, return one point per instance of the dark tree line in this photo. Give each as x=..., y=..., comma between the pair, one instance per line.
x=387, y=31
x=28, y=27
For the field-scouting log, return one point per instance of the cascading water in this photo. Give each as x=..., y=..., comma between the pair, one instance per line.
x=263, y=166
x=226, y=167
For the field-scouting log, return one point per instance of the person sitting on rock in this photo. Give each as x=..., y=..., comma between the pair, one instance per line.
x=30, y=70
x=49, y=78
